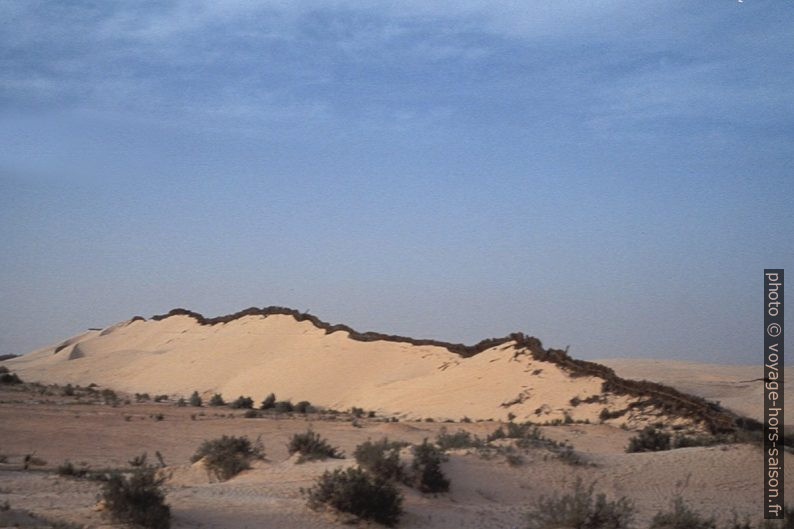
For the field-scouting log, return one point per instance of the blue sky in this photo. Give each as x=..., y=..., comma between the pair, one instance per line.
x=613, y=176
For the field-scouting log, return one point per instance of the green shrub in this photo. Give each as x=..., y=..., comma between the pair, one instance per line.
x=195, y=400
x=269, y=402
x=515, y=430
x=354, y=491
x=141, y=397
x=283, y=406
x=459, y=439
x=217, y=400
x=137, y=499
x=681, y=517
x=242, y=403
x=580, y=509
x=227, y=456
x=649, y=439
x=312, y=447
x=426, y=466
x=357, y=412
x=381, y=458
x=10, y=378
x=181, y=402
x=304, y=406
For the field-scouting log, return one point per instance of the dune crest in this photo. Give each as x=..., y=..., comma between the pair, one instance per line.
x=298, y=356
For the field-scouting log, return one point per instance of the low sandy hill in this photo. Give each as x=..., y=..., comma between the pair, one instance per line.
x=739, y=388
x=299, y=357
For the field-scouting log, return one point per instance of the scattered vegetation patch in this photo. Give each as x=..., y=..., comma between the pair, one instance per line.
x=581, y=509
x=67, y=469
x=381, y=458
x=217, y=400
x=606, y=415
x=311, y=447
x=457, y=440
x=227, y=456
x=137, y=499
x=426, y=466
x=195, y=400
x=680, y=516
x=242, y=403
x=10, y=378
x=304, y=407
x=358, y=493
x=650, y=439
x=269, y=402
x=528, y=435
x=283, y=406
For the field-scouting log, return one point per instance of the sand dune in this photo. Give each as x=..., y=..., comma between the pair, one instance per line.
x=301, y=358
x=736, y=387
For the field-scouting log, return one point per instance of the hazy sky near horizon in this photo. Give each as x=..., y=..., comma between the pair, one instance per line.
x=611, y=175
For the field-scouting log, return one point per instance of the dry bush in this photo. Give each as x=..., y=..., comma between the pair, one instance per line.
x=381, y=458
x=354, y=491
x=137, y=499
x=581, y=509
x=227, y=456
x=426, y=466
x=312, y=447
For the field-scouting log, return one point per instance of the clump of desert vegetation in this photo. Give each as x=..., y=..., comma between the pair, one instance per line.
x=195, y=400
x=137, y=498
x=242, y=403
x=312, y=447
x=358, y=493
x=652, y=438
x=227, y=456
x=458, y=440
x=7, y=377
x=381, y=458
x=426, y=467
x=581, y=508
x=217, y=400
x=527, y=435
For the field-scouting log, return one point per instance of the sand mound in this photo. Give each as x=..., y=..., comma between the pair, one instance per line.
x=739, y=388
x=299, y=357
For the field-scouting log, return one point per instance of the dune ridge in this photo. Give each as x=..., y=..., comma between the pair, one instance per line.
x=302, y=357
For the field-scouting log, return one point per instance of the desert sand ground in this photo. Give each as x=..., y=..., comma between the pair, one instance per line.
x=484, y=493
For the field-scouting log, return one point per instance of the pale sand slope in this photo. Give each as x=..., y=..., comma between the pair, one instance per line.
x=255, y=355
x=737, y=387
